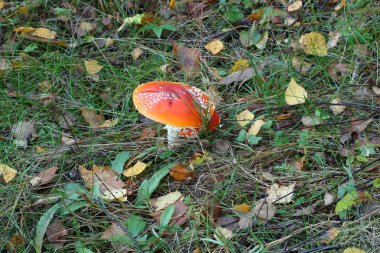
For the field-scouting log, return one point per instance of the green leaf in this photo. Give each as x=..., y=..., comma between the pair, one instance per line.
x=249, y=37
x=234, y=14
x=241, y=136
x=168, y=27
x=267, y=124
x=361, y=158
x=118, y=163
x=81, y=249
x=166, y=154
x=166, y=216
x=376, y=183
x=147, y=187
x=253, y=140
x=346, y=188
x=135, y=225
x=42, y=225
x=71, y=208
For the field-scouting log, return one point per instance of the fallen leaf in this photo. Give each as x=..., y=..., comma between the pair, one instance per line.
x=172, y=4
x=15, y=243
x=199, y=158
x=221, y=146
x=242, y=208
x=339, y=6
x=109, y=123
x=44, y=85
x=179, y=172
x=256, y=126
x=24, y=30
x=41, y=150
x=5, y=64
x=330, y=235
x=263, y=40
x=311, y=120
x=284, y=116
x=238, y=76
x=375, y=89
x=67, y=140
x=92, y=117
x=197, y=249
x=110, y=186
x=7, y=173
x=43, y=177
x=244, y=118
x=189, y=59
x=92, y=66
x=360, y=125
x=212, y=209
x=55, y=233
x=229, y=222
x=84, y=28
x=135, y=169
x=136, y=53
x=214, y=95
x=295, y=94
x=22, y=132
x=280, y=194
x=299, y=164
x=148, y=133
x=340, y=71
x=305, y=211
x=239, y=65
x=264, y=209
x=353, y=250
x=223, y=233
x=256, y=15
x=215, y=46
x=2, y=4
x=44, y=33
x=336, y=109
x=314, y=43
x=294, y=6
x=162, y=202
x=329, y=199
x=179, y=216
x=333, y=39
x=300, y=65
x=111, y=231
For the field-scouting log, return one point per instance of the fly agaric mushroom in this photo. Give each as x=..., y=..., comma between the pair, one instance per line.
x=184, y=110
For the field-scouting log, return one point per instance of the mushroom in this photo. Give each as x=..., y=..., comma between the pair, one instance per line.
x=185, y=110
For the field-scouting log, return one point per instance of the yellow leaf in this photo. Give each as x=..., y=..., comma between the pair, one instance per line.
x=215, y=46
x=242, y=208
x=86, y=26
x=135, y=169
x=330, y=234
x=109, y=123
x=222, y=233
x=295, y=94
x=314, y=43
x=244, y=118
x=136, y=53
x=162, y=202
x=256, y=126
x=336, y=109
x=24, y=30
x=44, y=33
x=171, y=4
x=280, y=194
x=295, y=6
x=240, y=65
x=24, y=10
x=92, y=66
x=7, y=173
x=2, y=4
x=340, y=5
x=41, y=150
x=353, y=250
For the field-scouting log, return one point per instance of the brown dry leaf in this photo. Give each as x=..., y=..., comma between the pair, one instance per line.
x=162, y=202
x=172, y=4
x=339, y=6
x=55, y=233
x=329, y=199
x=179, y=172
x=44, y=33
x=214, y=95
x=109, y=123
x=215, y=46
x=136, y=53
x=84, y=28
x=360, y=125
x=314, y=43
x=311, y=120
x=15, y=242
x=43, y=177
x=111, y=231
x=148, y=133
x=330, y=235
x=284, y=116
x=244, y=118
x=215, y=74
x=255, y=16
x=280, y=194
x=67, y=140
x=305, y=211
x=135, y=169
x=5, y=64
x=264, y=209
x=256, y=126
x=333, y=39
x=242, y=208
x=110, y=186
x=7, y=173
x=197, y=249
x=221, y=146
x=212, y=209
x=91, y=117
x=300, y=65
x=238, y=76
x=336, y=109
x=340, y=71
x=92, y=66
x=22, y=132
x=223, y=233
x=295, y=94
x=353, y=249
x=295, y=6
x=300, y=163
x=189, y=59
x=179, y=216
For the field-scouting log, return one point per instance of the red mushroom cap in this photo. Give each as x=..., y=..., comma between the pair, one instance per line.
x=174, y=104
x=214, y=122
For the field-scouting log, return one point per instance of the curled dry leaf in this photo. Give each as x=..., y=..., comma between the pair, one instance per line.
x=244, y=118
x=264, y=209
x=136, y=53
x=84, y=28
x=92, y=117
x=55, y=233
x=148, y=133
x=92, y=66
x=242, y=208
x=109, y=123
x=295, y=94
x=336, y=109
x=330, y=235
x=340, y=71
x=22, y=132
x=135, y=169
x=300, y=65
x=256, y=126
x=314, y=43
x=67, y=140
x=43, y=177
x=215, y=46
x=239, y=76
x=7, y=173
x=376, y=90
x=162, y=202
x=179, y=172
x=295, y=6
x=333, y=39
x=280, y=194
x=359, y=125
x=189, y=59
x=223, y=233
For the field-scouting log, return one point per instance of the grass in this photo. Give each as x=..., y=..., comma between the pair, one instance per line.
x=233, y=177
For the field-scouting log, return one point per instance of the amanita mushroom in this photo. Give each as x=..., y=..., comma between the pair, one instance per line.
x=184, y=109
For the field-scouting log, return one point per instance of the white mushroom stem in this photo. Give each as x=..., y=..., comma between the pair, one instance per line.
x=172, y=135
